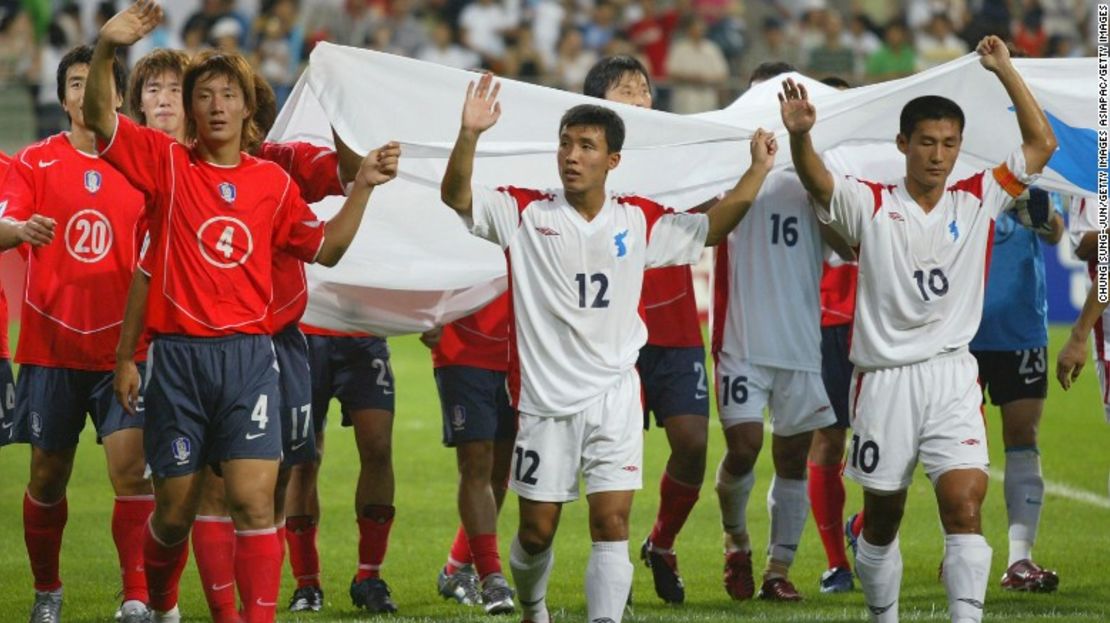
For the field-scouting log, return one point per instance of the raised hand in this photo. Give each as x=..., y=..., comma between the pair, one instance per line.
x=764, y=147
x=798, y=113
x=481, y=109
x=37, y=230
x=380, y=165
x=1070, y=361
x=993, y=53
x=132, y=23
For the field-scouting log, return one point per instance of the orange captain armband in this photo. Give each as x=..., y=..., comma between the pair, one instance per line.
x=1007, y=180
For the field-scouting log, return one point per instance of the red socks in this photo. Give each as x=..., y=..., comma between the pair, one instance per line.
x=258, y=573
x=826, y=499
x=129, y=517
x=214, y=548
x=486, y=558
x=164, y=564
x=304, y=558
x=676, y=500
x=460, y=552
x=373, y=539
x=43, y=525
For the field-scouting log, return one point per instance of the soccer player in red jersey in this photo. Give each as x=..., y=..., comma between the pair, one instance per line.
x=74, y=292
x=671, y=364
x=471, y=360
x=7, y=380
x=217, y=217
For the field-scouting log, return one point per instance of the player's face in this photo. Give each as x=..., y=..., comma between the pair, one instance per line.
x=632, y=89
x=161, y=102
x=584, y=158
x=219, y=109
x=76, y=76
x=931, y=151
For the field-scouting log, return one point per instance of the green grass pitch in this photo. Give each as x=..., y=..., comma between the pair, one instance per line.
x=1074, y=535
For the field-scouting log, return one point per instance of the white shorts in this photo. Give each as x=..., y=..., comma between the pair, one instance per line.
x=605, y=442
x=932, y=411
x=1103, y=370
x=797, y=399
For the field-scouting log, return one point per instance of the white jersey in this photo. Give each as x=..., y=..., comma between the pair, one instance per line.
x=921, y=275
x=1082, y=219
x=575, y=286
x=767, y=281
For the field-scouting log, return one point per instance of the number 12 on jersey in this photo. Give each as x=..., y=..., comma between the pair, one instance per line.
x=601, y=283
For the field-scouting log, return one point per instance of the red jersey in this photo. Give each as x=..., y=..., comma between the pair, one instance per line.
x=670, y=310
x=480, y=340
x=838, y=293
x=214, y=231
x=76, y=287
x=316, y=172
x=5, y=352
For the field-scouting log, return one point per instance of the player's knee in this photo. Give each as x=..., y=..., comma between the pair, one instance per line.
x=739, y=463
x=961, y=516
x=48, y=480
x=536, y=537
x=252, y=514
x=609, y=527
x=375, y=454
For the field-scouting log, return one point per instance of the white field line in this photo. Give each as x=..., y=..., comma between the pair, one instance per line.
x=1064, y=491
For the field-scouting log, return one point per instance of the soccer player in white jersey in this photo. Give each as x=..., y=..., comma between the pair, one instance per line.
x=766, y=347
x=924, y=244
x=576, y=261
x=1083, y=231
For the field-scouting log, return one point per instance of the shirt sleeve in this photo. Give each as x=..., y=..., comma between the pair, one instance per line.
x=17, y=191
x=676, y=239
x=1004, y=183
x=1082, y=219
x=853, y=202
x=315, y=169
x=297, y=230
x=495, y=215
x=140, y=154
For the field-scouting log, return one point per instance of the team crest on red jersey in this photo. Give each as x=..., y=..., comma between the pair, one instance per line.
x=93, y=181
x=227, y=192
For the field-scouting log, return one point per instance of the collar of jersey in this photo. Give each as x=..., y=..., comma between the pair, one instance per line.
x=919, y=212
x=587, y=227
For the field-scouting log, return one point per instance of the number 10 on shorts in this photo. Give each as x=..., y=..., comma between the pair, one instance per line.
x=865, y=456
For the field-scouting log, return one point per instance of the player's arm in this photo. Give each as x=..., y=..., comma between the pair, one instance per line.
x=431, y=337
x=378, y=167
x=35, y=231
x=126, y=381
x=1055, y=229
x=837, y=243
x=727, y=213
x=1038, y=142
x=1088, y=246
x=1072, y=357
x=480, y=111
x=799, y=115
x=124, y=29
x=349, y=161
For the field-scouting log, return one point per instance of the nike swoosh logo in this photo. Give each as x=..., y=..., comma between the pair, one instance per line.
x=264, y=604
x=220, y=587
x=254, y=435
x=877, y=610
x=387, y=392
x=974, y=603
x=1032, y=501
x=8, y=424
x=1033, y=380
x=298, y=446
x=700, y=396
x=47, y=163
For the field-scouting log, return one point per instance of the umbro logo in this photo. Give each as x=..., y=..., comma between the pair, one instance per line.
x=547, y=231
x=970, y=442
x=630, y=468
x=896, y=216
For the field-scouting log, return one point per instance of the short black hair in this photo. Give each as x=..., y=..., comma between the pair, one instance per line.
x=599, y=117
x=770, y=69
x=928, y=108
x=607, y=73
x=836, y=82
x=82, y=55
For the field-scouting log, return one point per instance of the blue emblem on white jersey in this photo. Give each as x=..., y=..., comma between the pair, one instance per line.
x=954, y=230
x=227, y=191
x=93, y=181
x=618, y=240
x=181, y=448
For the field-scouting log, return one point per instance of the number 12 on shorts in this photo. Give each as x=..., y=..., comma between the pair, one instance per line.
x=865, y=456
x=526, y=473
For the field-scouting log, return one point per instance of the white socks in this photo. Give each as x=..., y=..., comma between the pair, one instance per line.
x=1024, y=488
x=880, y=575
x=967, y=563
x=530, y=574
x=608, y=580
x=733, y=493
x=788, y=505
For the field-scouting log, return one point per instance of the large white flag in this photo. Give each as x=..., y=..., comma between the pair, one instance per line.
x=413, y=265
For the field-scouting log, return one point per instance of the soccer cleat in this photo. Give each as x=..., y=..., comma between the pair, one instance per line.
x=837, y=580
x=48, y=607
x=172, y=615
x=739, y=583
x=497, y=596
x=307, y=599
x=778, y=589
x=664, y=572
x=1026, y=575
x=850, y=536
x=462, y=586
x=372, y=594
x=134, y=611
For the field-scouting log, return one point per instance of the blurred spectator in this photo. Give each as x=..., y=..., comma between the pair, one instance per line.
x=573, y=61
x=696, y=68
x=602, y=27
x=919, y=13
x=443, y=49
x=811, y=33
x=863, y=41
x=834, y=57
x=651, y=34
x=938, y=44
x=1062, y=17
x=410, y=33
x=547, y=25
x=1061, y=46
x=1029, y=33
x=194, y=38
x=483, y=24
x=275, y=59
x=49, y=115
x=726, y=28
x=357, y=25
x=225, y=34
x=896, y=58
x=992, y=17
x=522, y=60
x=69, y=20
x=775, y=44
x=17, y=38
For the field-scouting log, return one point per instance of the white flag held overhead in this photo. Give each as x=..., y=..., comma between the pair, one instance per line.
x=413, y=266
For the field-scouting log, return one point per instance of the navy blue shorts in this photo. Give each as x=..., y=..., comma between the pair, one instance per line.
x=674, y=382
x=7, y=403
x=836, y=371
x=353, y=369
x=298, y=436
x=1011, y=375
x=51, y=405
x=210, y=400
x=475, y=405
